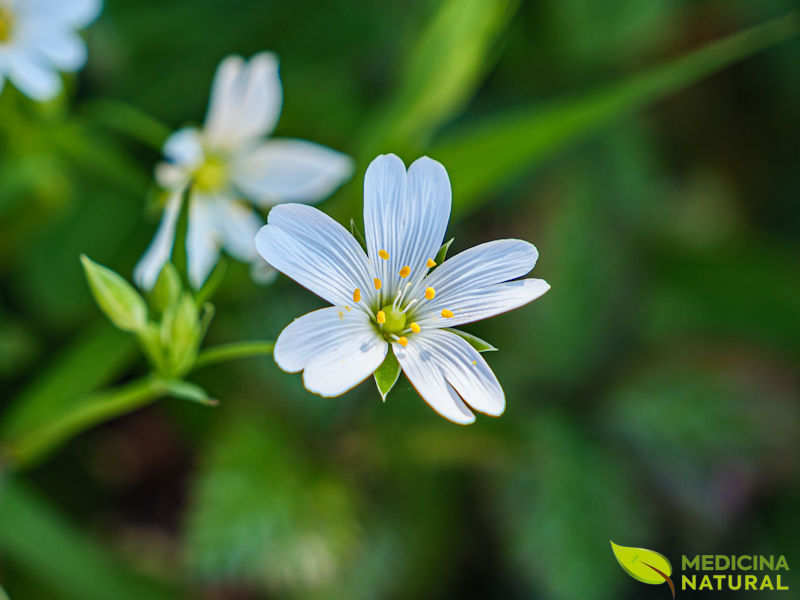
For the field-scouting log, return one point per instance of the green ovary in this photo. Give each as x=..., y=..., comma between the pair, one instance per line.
x=6, y=23
x=395, y=320
x=211, y=176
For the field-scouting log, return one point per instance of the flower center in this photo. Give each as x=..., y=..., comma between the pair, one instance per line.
x=211, y=176
x=394, y=320
x=6, y=24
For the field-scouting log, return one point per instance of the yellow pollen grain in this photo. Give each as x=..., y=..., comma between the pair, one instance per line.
x=383, y=254
x=430, y=293
x=381, y=317
x=341, y=315
x=431, y=263
x=357, y=295
x=447, y=314
x=405, y=272
x=347, y=308
x=415, y=328
x=403, y=341
x=378, y=283
x=474, y=362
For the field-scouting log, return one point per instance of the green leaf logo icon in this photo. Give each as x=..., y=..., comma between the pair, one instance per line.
x=644, y=565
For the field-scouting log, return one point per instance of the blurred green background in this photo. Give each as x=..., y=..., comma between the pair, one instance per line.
x=652, y=393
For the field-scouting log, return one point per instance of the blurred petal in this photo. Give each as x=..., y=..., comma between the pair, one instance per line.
x=66, y=50
x=237, y=225
x=284, y=170
x=202, y=245
x=316, y=251
x=474, y=304
x=245, y=100
x=171, y=176
x=73, y=13
x=147, y=270
x=262, y=272
x=31, y=78
x=337, y=348
x=425, y=374
x=184, y=147
x=463, y=367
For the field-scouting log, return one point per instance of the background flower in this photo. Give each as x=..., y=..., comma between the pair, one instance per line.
x=228, y=159
x=38, y=38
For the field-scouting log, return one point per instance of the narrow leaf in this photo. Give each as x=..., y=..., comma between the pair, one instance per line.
x=441, y=255
x=189, y=391
x=358, y=234
x=116, y=297
x=486, y=155
x=232, y=352
x=386, y=375
x=473, y=340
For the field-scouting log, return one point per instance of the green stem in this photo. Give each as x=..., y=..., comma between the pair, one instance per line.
x=30, y=446
x=232, y=352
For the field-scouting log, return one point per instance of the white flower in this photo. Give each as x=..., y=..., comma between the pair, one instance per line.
x=227, y=160
x=391, y=297
x=38, y=38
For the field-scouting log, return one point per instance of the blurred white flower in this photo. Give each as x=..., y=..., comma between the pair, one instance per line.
x=38, y=38
x=390, y=296
x=228, y=160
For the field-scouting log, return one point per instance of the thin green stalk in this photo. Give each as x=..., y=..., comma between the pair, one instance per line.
x=30, y=446
x=232, y=352
x=128, y=120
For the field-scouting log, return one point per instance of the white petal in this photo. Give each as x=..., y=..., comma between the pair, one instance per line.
x=283, y=170
x=237, y=225
x=337, y=348
x=147, y=270
x=262, y=272
x=463, y=367
x=184, y=147
x=474, y=304
x=202, y=245
x=65, y=50
x=406, y=215
x=245, y=101
x=32, y=78
x=171, y=176
x=316, y=251
x=425, y=374
x=72, y=13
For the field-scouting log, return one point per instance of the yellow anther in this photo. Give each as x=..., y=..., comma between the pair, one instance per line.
x=474, y=362
x=357, y=295
x=347, y=308
x=378, y=283
x=341, y=315
x=431, y=263
x=403, y=341
x=383, y=254
x=415, y=328
x=430, y=293
x=381, y=317
x=405, y=271
x=447, y=314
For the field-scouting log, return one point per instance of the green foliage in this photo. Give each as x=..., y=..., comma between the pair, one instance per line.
x=473, y=340
x=386, y=375
x=116, y=297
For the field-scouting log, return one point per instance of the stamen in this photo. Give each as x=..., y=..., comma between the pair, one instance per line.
x=405, y=272
x=347, y=308
x=341, y=315
x=383, y=254
x=431, y=263
x=415, y=328
x=400, y=295
x=381, y=317
x=378, y=283
x=409, y=305
x=430, y=293
x=447, y=314
x=403, y=341
x=357, y=295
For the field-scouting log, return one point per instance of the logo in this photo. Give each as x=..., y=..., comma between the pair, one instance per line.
x=644, y=565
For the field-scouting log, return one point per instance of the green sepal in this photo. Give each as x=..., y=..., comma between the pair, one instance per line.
x=117, y=298
x=356, y=231
x=473, y=340
x=387, y=374
x=180, y=335
x=167, y=289
x=150, y=340
x=189, y=391
x=442, y=253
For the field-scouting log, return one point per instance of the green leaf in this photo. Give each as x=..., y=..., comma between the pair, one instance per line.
x=189, y=391
x=358, y=234
x=473, y=340
x=116, y=297
x=39, y=539
x=441, y=255
x=386, y=375
x=641, y=563
x=486, y=155
x=167, y=289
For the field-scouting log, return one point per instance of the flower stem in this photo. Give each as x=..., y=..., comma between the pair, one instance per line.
x=30, y=446
x=232, y=352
